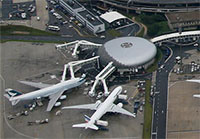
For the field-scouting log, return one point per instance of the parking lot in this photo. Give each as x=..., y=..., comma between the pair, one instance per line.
x=190, y=63
x=41, y=14
x=42, y=63
x=69, y=26
x=18, y=11
x=67, y=23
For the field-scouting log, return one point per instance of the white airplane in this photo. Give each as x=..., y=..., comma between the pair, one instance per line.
x=196, y=81
x=101, y=108
x=54, y=92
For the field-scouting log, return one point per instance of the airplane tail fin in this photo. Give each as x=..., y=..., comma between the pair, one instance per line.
x=10, y=94
x=87, y=124
x=87, y=118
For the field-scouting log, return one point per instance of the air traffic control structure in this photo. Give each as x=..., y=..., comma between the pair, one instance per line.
x=76, y=65
x=76, y=44
x=124, y=55
x=101, y=77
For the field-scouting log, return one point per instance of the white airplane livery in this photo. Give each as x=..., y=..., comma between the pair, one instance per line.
x=54, y=92
x=196, y=81
x=101, y=108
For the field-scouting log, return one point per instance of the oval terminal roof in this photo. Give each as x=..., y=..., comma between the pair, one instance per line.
x=128, y=51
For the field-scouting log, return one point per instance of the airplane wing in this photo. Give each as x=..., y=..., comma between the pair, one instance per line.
x=36, y=85
x=93, y=106
x=117, y=109
x=53, y=99
x=198, y=96
x=196, y=81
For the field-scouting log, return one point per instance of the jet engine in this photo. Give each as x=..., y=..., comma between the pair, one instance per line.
x=63, y=97
x=101, y=122
x=57, y=104
x=124, y=97
x=38, y=98
x=98, y=102
x=120, y=105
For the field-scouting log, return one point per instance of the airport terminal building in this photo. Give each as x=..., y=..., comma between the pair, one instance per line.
x=128, y=54
x=113, y=18
x=164, y=6
x=93, y=23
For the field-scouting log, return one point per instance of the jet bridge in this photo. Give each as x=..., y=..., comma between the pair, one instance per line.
x=102, y=76
x=77, y=64
x=76, y=45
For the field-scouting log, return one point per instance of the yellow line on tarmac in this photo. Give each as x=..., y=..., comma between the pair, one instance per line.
x=170, y=55
x=82, y=35
x=78, y=32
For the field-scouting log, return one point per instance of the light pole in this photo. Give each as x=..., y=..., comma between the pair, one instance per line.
x=180, y=32
x=128, y=2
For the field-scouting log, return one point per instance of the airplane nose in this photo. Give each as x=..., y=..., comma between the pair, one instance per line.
x=11, y=99
x=120, y=87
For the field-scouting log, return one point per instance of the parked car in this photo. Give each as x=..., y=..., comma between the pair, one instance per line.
x=38, y=18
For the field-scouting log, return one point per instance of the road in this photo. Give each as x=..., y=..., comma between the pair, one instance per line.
x=2, y=82
x=55, y=38
x=161, y=96
x=123, y=5
x=160, y=101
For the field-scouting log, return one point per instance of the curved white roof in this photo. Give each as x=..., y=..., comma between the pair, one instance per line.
x=166, y=1
x=112, y=16
x=130, y=51
x=173, y=35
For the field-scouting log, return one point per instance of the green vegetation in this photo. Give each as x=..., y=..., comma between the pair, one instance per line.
x=141, y=33
x=59, y=42
x=114, y=33
x=23, y=30
x=158, y=28
x=156, y=24
x=147, y=112
x=158, y=57
x=129, y=15
x=150, y=18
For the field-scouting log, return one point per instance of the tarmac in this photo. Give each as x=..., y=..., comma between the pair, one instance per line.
x=20, y=60
x=19, y=1
x=183, y=109
x=33, y=22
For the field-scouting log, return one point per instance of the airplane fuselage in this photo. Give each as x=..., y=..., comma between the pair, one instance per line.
x=45, y=92
x=105, y=105
x=196, y=81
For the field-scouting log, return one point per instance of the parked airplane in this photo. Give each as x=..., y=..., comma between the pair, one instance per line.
x=101, y=109
x=196, y=81
x=54, y=92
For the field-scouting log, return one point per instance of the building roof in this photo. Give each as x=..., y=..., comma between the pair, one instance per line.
x=90, y=17
x=73, y=4
x=183, y=16
x=174, y=35
x=112, y=16
x=166, y=1
x=127, y=51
